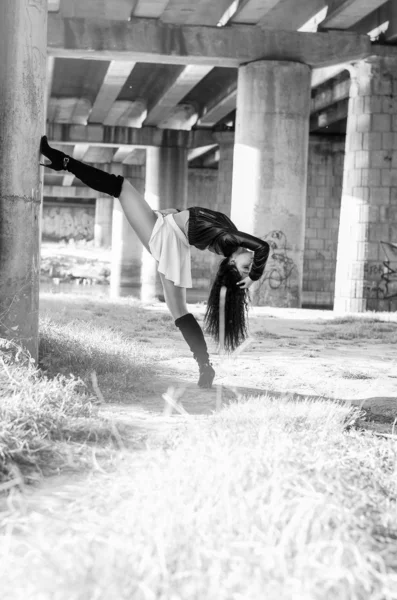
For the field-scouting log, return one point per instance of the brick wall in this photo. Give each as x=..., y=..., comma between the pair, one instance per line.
x=369, y=208
x=324, y=191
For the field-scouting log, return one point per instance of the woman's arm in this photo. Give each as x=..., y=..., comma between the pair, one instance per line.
x=259, y=247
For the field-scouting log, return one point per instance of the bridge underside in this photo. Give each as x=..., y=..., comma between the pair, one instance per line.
x=280, y=114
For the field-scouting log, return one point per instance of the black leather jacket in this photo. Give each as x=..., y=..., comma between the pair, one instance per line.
x=212, y=230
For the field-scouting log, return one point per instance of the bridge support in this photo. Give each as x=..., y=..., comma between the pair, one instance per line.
x=23, y=47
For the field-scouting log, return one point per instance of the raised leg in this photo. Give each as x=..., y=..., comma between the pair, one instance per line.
x=138, y=212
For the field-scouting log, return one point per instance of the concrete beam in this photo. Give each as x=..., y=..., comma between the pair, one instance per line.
x=182, y=116
x=320, y=76
x=197, y=152
x=146, y=40
x=327, y=94
x=136, y=157
x=391, y=33
x=343, y=14
x=333, y=114
x=100, y=155
x=384, y=18
x=67, y=180
x=150, y=10
x=59, y=191
x=126, y=113
x=253, y=11
x=80, y=150
x=114, y=80
x=129, y=155
x=374, y=19
x=116, y=10
x=113, y=137
x=223, y=104
x=53, y=5
x=199, y=12
x=175, y=91
x=211, y=160
x=121, y=153
x=219, y=107
x=68, y=110
x=291, y=15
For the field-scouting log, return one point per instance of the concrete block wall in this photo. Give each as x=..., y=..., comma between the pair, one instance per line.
x=366, y=263
x=324, y=192
x=67, y=220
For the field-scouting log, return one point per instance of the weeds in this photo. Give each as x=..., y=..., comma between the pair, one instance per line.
x=267, y=499
x=40, y=419
x=351, y=328
x=79, y=348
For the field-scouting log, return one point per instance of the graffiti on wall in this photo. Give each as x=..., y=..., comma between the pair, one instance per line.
x=389, y=275
x=280, y=268
x=381, y=278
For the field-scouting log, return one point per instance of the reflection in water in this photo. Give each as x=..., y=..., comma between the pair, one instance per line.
x=85, y=290
x=193, y=296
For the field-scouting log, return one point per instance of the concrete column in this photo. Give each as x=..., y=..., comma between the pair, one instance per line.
x=369, y=196
x=209, y=261
x=103, y=222
x=166, y=177
x=125, y=279
x=165, y=187
x=270, y=171
x=225, y=140
x=23, y=46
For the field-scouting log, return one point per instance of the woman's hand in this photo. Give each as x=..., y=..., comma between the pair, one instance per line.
x=245, y=283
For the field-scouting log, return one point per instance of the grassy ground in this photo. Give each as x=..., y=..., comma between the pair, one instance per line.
x=262, y=487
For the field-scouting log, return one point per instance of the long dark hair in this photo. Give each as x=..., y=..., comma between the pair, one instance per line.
x=236, y=307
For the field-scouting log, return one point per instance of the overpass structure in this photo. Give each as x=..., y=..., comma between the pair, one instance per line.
x=290, y=103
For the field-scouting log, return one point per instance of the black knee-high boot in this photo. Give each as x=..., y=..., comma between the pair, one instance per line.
x=194, y=337
x=94, y=178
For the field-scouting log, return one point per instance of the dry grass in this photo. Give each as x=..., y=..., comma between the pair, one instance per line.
x=267, y=499
x=82, y=335
x=48, y=417
x=81, y=347
x=356, y=328
x=46, y=424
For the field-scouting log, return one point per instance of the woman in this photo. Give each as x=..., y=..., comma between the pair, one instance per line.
x=168, y=235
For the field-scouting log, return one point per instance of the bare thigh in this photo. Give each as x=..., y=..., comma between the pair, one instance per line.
x=138, y=212
x=175, y=298
x=142, y=219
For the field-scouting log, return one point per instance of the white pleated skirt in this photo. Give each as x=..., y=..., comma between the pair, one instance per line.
x=170, y=247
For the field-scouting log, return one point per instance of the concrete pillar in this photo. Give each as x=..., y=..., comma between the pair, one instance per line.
x=165, y=187
x=270, y=171
x=103, y=222
x=209, y=261
x=125, y=279
x=225, y=140
x=23, y=46
x=166, y=177
x=369, y=197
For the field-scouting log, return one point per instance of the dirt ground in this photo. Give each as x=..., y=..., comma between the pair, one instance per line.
x=285, y=355
x=291, y=351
